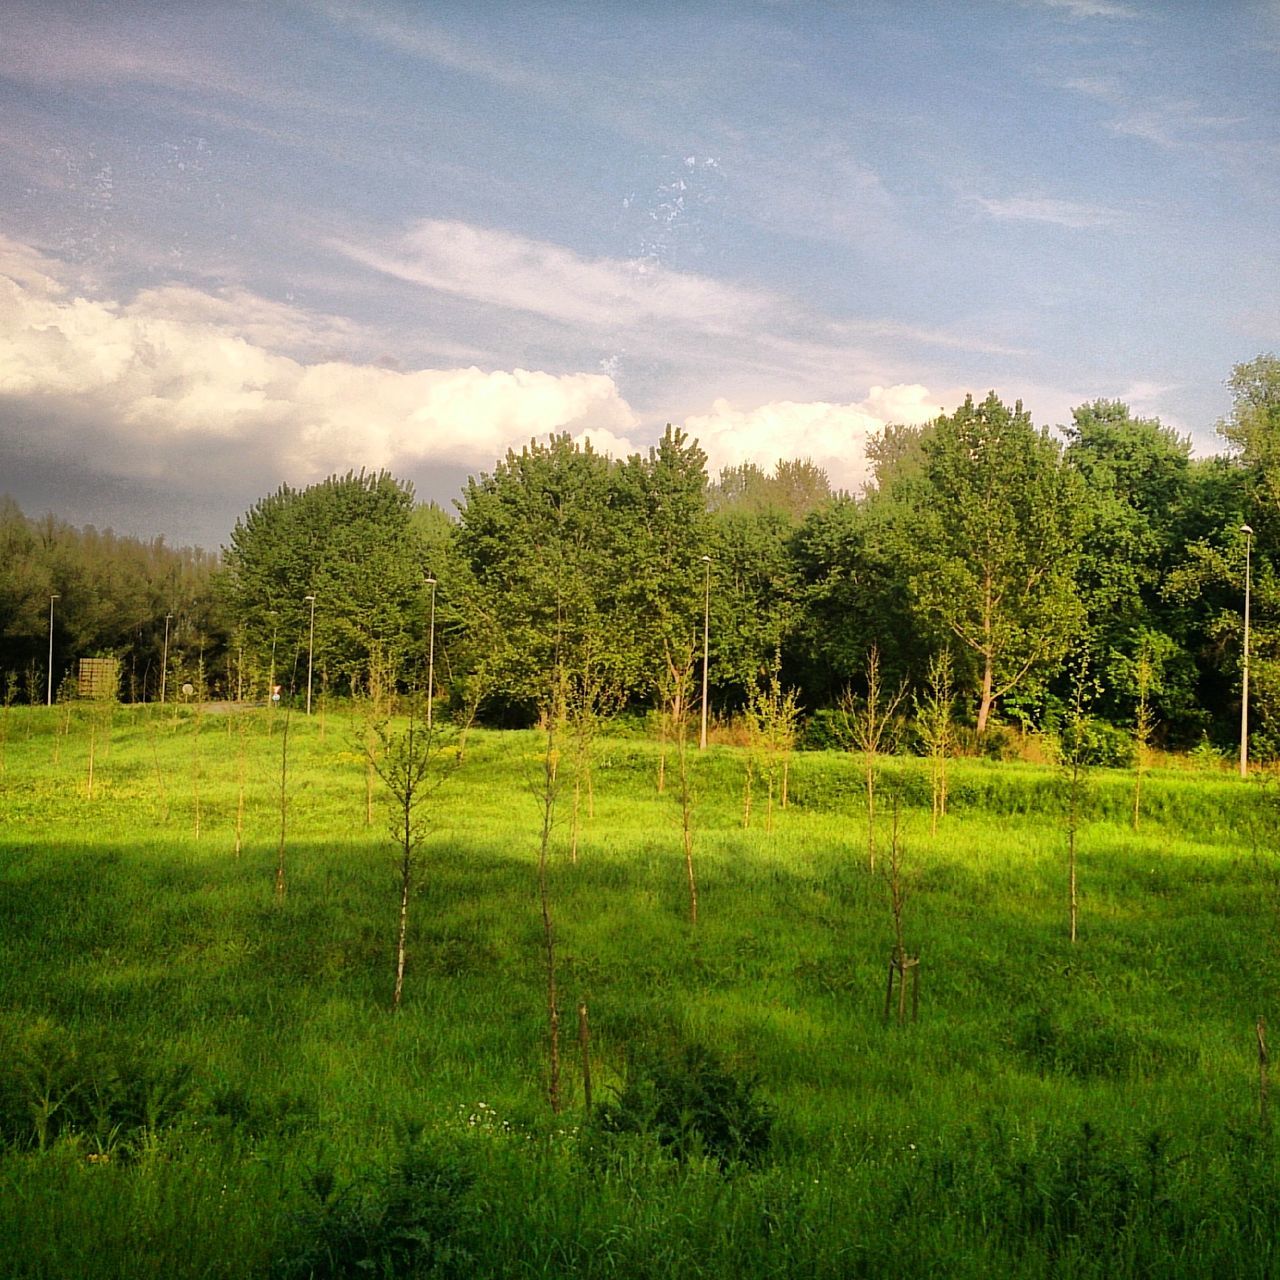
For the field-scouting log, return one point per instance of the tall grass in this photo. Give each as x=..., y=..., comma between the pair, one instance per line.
x=1054, y=1111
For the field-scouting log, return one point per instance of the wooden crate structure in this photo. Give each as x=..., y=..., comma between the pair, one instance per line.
x=99, y=677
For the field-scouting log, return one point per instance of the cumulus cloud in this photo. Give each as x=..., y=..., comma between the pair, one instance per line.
x=175, y=375
x=832, y=435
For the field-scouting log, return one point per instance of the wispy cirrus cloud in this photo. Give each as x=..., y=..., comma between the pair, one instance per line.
x=1059, y=213
x=642, y=302
x=1088, y=8
x=514, y=272
x=1168, y=122
x=420, y=39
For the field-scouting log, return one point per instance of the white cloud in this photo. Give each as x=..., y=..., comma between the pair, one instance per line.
x=834, y=436
x=434, y=45
x=262, y=321
x=1061, y=213
x=1090, y=8
x=170, y=376
x=502, y=269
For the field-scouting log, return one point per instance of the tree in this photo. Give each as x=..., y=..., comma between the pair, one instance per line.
x=1137, y=478
x=542, y=552
x=1253, y=429
x=350, y=542
x=664, y=530
x=796, y=488
x=851, y=563
x=996, y=543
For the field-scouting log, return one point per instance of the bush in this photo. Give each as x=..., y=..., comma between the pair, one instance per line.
x=406, y=1222
x=117, y=1096
x=821, y=732
x=999, y=742
x=694, y=1106
x=1103, y=745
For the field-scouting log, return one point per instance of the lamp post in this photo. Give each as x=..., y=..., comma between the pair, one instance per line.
x=271, y=679
x=311, y=647
x=164, y=659
x=706, y=650
x=431, y=653
x=52, y=598
x=1244, y=690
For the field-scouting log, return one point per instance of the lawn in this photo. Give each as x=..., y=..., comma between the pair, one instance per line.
x=201, y=1077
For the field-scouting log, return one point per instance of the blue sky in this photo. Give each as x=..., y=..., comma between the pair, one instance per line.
x=244, y=244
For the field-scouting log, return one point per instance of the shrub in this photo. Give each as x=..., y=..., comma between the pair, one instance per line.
x=118, y=1096
x=694, y=1106
x=821, y=732
x=1103, y=745
x=408, y=1221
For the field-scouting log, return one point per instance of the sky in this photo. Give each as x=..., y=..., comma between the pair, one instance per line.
x=243, y=245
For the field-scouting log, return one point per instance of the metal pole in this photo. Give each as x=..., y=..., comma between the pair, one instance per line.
x=311, y=646
x=164, y=661
x=1244, y=691
x=706, y=651
x=52, y=598
x=271, y=680
x=431, y=655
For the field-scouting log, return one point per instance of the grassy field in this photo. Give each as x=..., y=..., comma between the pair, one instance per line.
x=198, y=1078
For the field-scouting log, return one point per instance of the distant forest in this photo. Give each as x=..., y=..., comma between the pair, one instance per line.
x=1019, y=553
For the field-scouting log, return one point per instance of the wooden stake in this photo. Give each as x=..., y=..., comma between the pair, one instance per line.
x=902, y=966
x=584, y=1046
x=1263, y=1061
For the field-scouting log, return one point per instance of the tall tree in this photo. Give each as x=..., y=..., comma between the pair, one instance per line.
x=996, y=542
x=541, y=551
x=1253, y=429
x=1136, y=476
x=665, y=530
x=350, y=542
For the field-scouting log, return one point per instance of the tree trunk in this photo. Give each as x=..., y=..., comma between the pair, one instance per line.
x=406, y=879
x=988, y=684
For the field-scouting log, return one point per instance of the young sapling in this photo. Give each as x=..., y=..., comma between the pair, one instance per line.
x=870, y=726
x=935, y=725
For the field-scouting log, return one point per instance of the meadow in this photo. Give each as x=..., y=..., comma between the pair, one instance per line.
x=201, y=1077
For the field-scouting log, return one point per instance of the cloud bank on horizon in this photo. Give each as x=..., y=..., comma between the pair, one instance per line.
x=178, y=363
x=241, y=250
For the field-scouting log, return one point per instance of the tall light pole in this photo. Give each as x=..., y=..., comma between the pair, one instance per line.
x=706, y=650
x=164, y=660
x=311, y=647
x=52, y=598
x=271, y=679
x=1244, y=691
x=431, y=653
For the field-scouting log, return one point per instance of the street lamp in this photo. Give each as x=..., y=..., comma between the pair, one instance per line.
x=706, y=654
x=164, y=661
x=311, y=647
x=271, y=680
x=1244, y=691
x=431, y=653
x=52, y=598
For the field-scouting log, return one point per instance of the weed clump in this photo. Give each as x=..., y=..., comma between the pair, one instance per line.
x=115, y=1097
x=410, y=1220
x=693, y=1105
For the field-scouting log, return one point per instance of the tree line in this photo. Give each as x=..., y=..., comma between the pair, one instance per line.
x=978, y=535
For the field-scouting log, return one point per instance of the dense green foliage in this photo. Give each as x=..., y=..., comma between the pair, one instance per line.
x=351, y=543
x=200, y=1080
x=979, y=535
x=113, y=593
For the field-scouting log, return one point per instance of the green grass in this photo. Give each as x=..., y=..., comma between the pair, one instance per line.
x=233, y=1097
